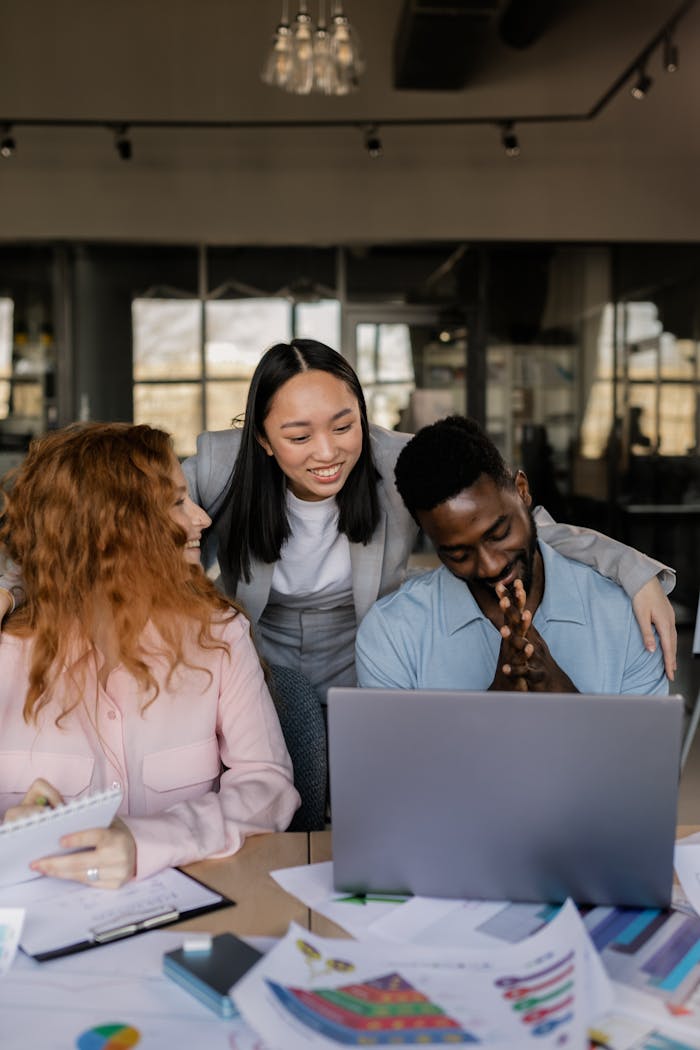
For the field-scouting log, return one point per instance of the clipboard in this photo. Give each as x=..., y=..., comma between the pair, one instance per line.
x=63, y=918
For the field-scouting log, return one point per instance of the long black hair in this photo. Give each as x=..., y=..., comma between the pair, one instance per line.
x=257, y=491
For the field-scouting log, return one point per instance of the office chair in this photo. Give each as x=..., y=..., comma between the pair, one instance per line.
x=300, y=713
x=695, y=717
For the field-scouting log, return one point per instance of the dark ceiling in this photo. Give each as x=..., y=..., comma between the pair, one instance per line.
x=439, y=46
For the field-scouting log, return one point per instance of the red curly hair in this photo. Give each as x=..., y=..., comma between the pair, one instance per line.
x=87, y=515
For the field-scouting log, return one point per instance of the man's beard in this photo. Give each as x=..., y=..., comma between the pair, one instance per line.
x=526, y=562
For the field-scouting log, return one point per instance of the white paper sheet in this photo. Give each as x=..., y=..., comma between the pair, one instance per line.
x=440, y=921
x=686, y=861
x=307, y=991
x=62, y=1004
x=11, y=920
x=312, y=884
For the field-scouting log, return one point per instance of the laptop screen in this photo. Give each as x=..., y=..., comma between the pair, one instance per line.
x=505, y=796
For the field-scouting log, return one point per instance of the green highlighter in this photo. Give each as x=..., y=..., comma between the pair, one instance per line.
x=208, y=968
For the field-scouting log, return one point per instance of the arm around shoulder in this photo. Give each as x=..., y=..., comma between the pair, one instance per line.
x=645, y=580
x=626, y=566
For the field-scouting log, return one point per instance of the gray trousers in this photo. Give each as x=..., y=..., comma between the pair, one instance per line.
x=318, y=642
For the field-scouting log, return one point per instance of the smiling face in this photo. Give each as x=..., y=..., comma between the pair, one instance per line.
x=314, y=431
x=485, y=535
x=187, y=514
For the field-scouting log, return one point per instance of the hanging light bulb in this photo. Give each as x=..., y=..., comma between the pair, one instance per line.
x=346, y=52
x=278, y=64
x=324, y=68
x=301, y=74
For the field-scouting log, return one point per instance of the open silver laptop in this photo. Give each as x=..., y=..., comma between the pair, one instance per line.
x=504, y=796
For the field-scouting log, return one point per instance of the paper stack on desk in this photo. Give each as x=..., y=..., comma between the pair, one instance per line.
x=652, y=957
x=312, y=992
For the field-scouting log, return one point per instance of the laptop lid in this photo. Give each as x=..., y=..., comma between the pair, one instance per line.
x=504, y=796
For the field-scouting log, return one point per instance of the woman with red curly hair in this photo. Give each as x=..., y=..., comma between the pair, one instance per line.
x=126, y=667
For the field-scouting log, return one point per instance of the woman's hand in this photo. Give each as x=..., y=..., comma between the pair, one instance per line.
x=652, y=608
x=107, y=858
x=40, y=795
x=6, y=604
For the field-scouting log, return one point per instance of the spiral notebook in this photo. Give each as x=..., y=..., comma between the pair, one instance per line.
x=38, y=835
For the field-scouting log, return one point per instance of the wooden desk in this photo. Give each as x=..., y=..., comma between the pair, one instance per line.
x=262, y=907
x=320, y=849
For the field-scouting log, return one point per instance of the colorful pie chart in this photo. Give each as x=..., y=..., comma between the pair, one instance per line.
x=109, y=1037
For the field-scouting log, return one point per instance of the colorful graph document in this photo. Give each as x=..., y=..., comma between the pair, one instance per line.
x=652, y=956
x=311, y=992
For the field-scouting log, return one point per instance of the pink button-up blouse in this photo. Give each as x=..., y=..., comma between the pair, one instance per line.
x=201, y=768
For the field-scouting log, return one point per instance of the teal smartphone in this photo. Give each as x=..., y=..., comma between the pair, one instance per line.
x=210, y=974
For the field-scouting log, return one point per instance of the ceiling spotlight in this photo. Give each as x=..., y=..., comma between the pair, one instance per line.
x=373, y=143
x=670, y=55
x=7, y=142
x=122, y=142
x=642, y=85
x=509, y=140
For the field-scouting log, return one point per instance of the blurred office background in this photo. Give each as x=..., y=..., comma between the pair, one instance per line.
x=490, y=223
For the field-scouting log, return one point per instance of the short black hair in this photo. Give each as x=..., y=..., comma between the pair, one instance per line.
x=445, y=458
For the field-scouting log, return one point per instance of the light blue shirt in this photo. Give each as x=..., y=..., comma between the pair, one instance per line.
x=431, y=634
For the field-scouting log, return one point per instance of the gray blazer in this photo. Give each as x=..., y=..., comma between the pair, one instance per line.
x=378, y=567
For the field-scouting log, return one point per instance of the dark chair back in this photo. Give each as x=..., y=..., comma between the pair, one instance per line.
x=301, y=716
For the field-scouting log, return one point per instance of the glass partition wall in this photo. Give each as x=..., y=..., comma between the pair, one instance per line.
x=581, y=360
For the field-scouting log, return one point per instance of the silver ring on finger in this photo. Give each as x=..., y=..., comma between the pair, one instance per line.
x=92, y=874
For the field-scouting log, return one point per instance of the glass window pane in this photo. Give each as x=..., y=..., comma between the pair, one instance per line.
x=27, y=398
x=239, y=331
x=4, y=398
x=225, y=402
x=677, y=408
x=395, y=359
x=643, y=332
x=6, y=319
x=319, y=321
x=175, y=407
x=384, y=353
x=678, y=357
x=597, y=420
x=166, y=338
x=386, y=402
x=367, y=345
x=642, y=436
